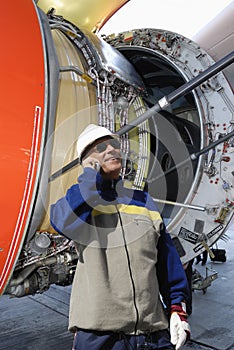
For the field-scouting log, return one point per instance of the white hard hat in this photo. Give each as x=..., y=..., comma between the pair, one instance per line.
x=90, y=134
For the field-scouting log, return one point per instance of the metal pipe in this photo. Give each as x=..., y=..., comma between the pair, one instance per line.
x=163, y=103
x=212, y=145
x=189, y=206
x=78, y=71
x=64, y=169
x=194, y=156
x=57, y=259
x=26, y=272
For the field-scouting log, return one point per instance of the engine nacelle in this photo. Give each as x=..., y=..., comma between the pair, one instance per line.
x=111, y=81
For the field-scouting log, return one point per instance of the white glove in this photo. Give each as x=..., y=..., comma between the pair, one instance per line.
x=179, y=327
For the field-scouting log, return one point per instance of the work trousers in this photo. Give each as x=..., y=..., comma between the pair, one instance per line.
x=95, y=340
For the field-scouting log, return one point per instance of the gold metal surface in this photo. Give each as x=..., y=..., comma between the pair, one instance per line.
x=88, y=14
x=76, y=109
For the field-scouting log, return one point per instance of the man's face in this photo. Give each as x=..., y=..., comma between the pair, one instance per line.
x=107, y=152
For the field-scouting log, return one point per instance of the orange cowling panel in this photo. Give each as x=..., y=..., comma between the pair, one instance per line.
x=21, y=111
x=88, y=14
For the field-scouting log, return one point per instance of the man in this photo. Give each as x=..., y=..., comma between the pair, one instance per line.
x=128, y=270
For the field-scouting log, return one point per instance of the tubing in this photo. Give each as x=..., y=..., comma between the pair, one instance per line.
x=163, y=104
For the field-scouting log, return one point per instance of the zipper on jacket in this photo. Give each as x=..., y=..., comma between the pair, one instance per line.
x=130, y=271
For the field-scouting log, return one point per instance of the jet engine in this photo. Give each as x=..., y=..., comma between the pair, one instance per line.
x=112, y=81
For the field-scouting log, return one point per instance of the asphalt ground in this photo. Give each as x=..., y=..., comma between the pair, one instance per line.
x=40, y=321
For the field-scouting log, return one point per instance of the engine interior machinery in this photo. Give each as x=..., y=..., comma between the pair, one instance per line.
x=67, y=76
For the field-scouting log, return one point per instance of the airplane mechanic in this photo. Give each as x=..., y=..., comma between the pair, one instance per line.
x=127, y=261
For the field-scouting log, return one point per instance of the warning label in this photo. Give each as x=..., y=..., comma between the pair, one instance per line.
x=187, y=235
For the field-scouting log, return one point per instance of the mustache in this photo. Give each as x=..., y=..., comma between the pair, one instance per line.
x=115, y=154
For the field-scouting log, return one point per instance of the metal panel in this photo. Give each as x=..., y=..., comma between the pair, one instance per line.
x=89, y=14
x=22, y=109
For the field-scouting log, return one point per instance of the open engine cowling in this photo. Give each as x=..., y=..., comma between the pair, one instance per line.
x=112, y=81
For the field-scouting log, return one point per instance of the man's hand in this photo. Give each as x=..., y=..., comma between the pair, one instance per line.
x=179, y=327
x=91, y=162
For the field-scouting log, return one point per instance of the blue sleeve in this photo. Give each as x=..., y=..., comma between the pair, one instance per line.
x=69, y=213
x=171, y=275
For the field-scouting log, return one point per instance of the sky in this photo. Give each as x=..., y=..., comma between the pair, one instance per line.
x=185, y=17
